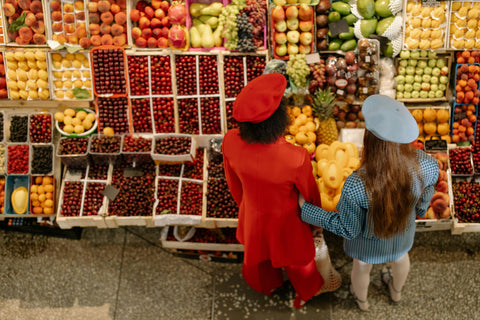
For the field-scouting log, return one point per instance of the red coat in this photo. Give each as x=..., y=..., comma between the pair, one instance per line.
x=264, y=181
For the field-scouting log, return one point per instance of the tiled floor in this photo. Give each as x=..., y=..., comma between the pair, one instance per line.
x=125, y=274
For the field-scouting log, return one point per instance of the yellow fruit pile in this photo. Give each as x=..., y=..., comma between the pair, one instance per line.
x=424, y=26
x=465, y=25
x=334, y=163
x=75, y=121
x=301, y=131
x=41, y=195
x=432, y=123
x=69, y=72
x=27, y=75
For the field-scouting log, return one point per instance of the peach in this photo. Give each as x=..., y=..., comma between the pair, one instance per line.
x=117, y=29
x=162, y=42
x=146, y=33
x=122, y=4
x=107, y=17
x=72, y=38
x=36, y=6
x=12, y=35
x=141, y=42
x=39, y=16
x=107, y=40
x=24, y=4
x=159, y=14
x=69, y=18
x=152, y=42
x=60, y=38
x=149, y=12
x=144, y=23
x=80, y=15
x=30, y=19
x=69, y=28
x=94, y=29
x=38, y=27
x=8, y=9
x=121, y=18
x=164, y=33
x=92, y=7
x=155, y=23
x=26, y=33
x=81, y=32
x=156, y=4
x=120, y=40
x=84, y=42
x=103, y=6
x=96, y=40
x=20, y=40
x=136, y=33
x=105, y=28
x=94, y=17
x=57, y=16
x=79, y=5
x=57, y=27
x=39, y=38
x=55, y=5
x=134, y=15
x=115, y=8
x=68, y=7
x=166, y=22
x=157, y=32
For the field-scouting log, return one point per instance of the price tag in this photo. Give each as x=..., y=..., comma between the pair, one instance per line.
x=312, y=58
x=110, y=192
x=338, y=27
x=383, y=40
x=430, y=3
x=132, y=172
x=365, y=90
x=340, y=92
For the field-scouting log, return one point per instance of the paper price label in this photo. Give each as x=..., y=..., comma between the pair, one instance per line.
x=312, y=58
x=110, y=192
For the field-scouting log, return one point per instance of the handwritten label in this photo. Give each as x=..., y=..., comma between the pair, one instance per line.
x=312, y=58
x=110, y=192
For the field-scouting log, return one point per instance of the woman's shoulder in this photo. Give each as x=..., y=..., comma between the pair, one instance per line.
x=426, y=160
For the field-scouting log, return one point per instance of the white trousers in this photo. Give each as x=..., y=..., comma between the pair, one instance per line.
x=361, y=275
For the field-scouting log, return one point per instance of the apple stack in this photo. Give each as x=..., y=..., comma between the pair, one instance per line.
x=421, y=75
x=150, y=24
x=292, y=30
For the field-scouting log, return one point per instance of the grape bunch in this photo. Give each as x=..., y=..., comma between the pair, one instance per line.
x=298, y=70
x=245, y=35
x=228, y=18
x=319, y=78
x=256, y=10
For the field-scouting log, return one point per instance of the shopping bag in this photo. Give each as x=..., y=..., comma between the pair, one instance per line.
x=332, y=278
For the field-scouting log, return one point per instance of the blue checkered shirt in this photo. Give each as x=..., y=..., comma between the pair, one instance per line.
x=351, y=220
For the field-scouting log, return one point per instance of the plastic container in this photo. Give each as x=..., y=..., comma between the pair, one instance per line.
x=13, y=182
x=104, y=157
x=34, y=158
x=176, y=158
x=25, y=160
x=36, y=182
x=72, y=160
x=10, y=117
x=30, y=131
x=140, y=156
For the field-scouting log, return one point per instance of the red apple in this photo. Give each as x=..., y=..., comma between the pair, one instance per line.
x=136, y=33
x=159, y=13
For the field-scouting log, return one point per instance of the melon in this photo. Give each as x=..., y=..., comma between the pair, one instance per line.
x=19, y=200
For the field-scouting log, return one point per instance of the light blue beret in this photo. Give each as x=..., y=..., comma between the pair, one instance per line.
x=389, y=119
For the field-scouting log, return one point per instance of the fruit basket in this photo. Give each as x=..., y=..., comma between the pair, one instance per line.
x=464, y=123
x=68, y=21
x=71, y=76
x=107, y=23
x=109, y=65
x=92, y=127
x=173, y=148
x=433, y=121
x=137, y=147
x=206, y=14
x=422, y=77
x=464, y=31
x=18, y=158
x=425, y=26
x=115, y=113
x=21, y=184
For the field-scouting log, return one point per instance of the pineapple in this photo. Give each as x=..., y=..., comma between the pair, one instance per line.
x=323, y=109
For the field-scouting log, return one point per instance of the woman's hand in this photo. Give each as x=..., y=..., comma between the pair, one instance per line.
x=301, y=200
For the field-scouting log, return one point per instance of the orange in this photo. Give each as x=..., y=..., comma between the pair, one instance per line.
x=307, y=110
x=296, y=111
x=442, y=115
x=417, y=114
x=429, y=128
x=429, y=115
x=443, y=128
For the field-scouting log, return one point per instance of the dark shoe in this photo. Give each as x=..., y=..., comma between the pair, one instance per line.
x=387, y=278
x=362, y=305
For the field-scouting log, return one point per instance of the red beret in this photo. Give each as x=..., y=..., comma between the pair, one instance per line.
x=260, y=98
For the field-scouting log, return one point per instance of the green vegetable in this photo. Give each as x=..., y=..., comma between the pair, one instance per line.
x=349, y=45
x=80, y=93
x=342, y=8
x=347, y=35
x=334, y=45
x=195, y=38
x=366, y=8
x=383, y=25
x=196, y=8
x=351, y=19
x=18, y=23
x=210, y=20
x=334, y=16
x=213, y=9
x=367, y=27
x=382, y=8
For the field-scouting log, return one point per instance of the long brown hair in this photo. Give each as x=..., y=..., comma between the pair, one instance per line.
x=388, y=178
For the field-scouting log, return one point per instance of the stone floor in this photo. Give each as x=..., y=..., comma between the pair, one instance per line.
x=126, y=274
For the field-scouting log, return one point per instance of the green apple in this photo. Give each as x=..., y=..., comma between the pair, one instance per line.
x=401, y=70
x=407, y=95
x=434, y=87
x=432, y=63
x=410, y=70
x=444, y=71
x=424, y=94
x=415, y=94
x=412, y=62
x=418, y=71
x=421, y=64
x=438, y=94
x=442, y=87
x=400, y=87
x=427, y=73
x=405, y=54
x=409, y=79
x=281, y=26
x=415, y=54
x=417, y=78
x=436, y=72
x=432, y=54
x=280, y=3
x=441, y=63
x=431, y=94
x=408, y=87
x=425, y=86
x=443, y=79
x=434, y=80
x=399, y=95
x=400, y=79
x=281, y=50
x=417, y=86
x=403, y=63
x=423, y=53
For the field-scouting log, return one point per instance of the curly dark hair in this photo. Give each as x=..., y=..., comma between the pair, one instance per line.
x=267, y=131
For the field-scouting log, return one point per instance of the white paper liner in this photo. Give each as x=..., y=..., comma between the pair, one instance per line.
x=354, y=10
x=395, y=6
x=357, y=30
x=397, y=44
x=395, y=28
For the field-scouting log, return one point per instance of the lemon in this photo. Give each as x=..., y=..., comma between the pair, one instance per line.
x=12, y=74
x=57, y=57
x=76, y=74
x=91, y=117
x=23, y=65
x=69, y=112
x=33, y=74
x=14, y=94
x=59, y=94
x=78, y=83
x=44, y=94
x=42, y=65
x=12, y=65
x=69, y=94
x=23, y=94
x=66, y=63
x=77, y=64
x=86, y=73
x=42, y=84
x=68, y=84
x=87, y=124
x=57, y=64
x=67, y=74
x=22, y=85
x=33, y=94
x=76, y=122
x=42, y=74
x=19, y=55
x=40, y=55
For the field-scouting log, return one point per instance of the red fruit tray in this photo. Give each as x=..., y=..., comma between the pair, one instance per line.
x=100, y=113
x=121, y=73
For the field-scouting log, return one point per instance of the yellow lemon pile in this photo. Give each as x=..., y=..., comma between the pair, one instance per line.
x=75, y=121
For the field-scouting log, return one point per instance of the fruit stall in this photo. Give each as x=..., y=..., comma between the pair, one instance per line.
x=113, y=111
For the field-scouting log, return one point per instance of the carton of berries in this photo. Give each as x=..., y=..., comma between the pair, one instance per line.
x=173, y=148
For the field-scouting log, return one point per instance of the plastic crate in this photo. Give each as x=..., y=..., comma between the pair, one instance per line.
x=101, y=157
x=33, y=159
x=13, y=182
x=176, y=158
x=73, y=160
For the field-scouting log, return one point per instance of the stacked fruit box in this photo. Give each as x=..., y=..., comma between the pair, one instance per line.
x=180, y=192
x=433, y=121
x=464, y=31
x=67, y=22
x=25, y=22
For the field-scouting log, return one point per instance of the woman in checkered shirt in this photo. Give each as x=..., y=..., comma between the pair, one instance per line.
x=379, y=201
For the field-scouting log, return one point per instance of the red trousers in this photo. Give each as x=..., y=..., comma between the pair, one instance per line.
x=263, y=277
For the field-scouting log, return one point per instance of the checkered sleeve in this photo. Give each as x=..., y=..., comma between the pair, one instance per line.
x=429, y=167
x=350, y=218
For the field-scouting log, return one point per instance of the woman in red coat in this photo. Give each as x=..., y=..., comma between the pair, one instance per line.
x=265, y=174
